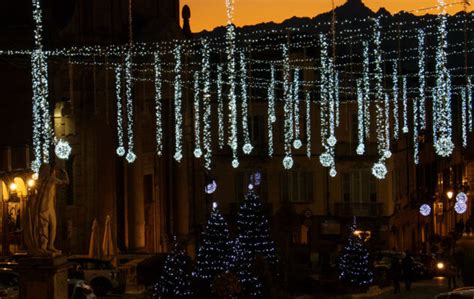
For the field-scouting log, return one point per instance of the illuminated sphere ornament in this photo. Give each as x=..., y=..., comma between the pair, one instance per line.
x=247, y=148
x=62, y=149
x=131, y=157
x=297, y=144
x=379, y=170
x=235, y=163
x=387, y=154
x=332, y=141
x=250, y=187
x=198, y=153
x=460, y=207
x=35, y=166
x=461, y=197
x=178, y=156
x=288, y=162
x=444, y=147
x=326, y=159
x=333, y=172
x=120, y=151
x=425, y=210
x=211, y=188
x=360, y=149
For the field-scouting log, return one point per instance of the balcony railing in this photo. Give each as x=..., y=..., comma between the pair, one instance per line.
x=359, y=209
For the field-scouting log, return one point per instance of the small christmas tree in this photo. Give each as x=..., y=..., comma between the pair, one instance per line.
x=175, y=281
x=354, y=261
x=215, y=254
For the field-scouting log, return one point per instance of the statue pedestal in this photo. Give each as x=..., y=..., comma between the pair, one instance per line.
x=43, y=277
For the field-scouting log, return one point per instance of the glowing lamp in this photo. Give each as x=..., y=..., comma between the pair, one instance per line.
x=12, y=187
x=450, y=194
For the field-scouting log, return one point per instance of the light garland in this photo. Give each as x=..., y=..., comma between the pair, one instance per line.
x=443, y=143
x=395, y=94
x=118, y=93
x=336, y=98
x=360, y=119
x=379, y=170
x=158, y=106
x=271, y=110
x=417, y=123
x=207, y=133
x=405, y=105
x=288, y=109
x=470, y=119
x=131, y=156
x=247, y=147
x=220, y=109
x=230, y=51
x=178, y=117
x=308, y=125
x=296, y=109
x=387, y=153
x=366, y=88
x=464, y=117
x=197, y=120
x=421, y=78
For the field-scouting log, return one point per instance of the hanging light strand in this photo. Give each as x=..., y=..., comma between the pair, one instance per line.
x=178, y=117
x=296, y=109
x=271, y=110
x=197, y=117
x=405, y=105
x=206, y=94
x=308, y=125
x=158, y=106
x=247, y=147
x=288, y=160
x=421, y=78
x=131, y=156
x=118, y=94
x=395, y=95
x=230, y=50
x=366, y=87
x=220, y=108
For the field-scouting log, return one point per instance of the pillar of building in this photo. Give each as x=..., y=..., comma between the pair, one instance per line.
x=136, y=200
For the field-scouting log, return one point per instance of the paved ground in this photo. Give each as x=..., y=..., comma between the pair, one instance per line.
x=420, y=290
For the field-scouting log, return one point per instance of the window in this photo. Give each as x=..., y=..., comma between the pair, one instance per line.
x=359, y=186
x=242, y=181
x=296, y=186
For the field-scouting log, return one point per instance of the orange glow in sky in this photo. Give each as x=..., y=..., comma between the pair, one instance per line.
x=208, y=14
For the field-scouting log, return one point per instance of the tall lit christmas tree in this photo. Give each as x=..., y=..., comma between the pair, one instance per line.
x=175, y=280
x=354, y=262
x=254, y=229
x=215, y=254
x=254, y=242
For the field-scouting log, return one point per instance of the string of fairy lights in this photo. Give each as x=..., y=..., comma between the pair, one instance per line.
x=283, y=79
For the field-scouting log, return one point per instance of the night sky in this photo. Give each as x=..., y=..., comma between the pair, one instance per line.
x=208, y=14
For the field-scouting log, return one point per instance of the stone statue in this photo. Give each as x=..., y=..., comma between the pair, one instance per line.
x=40, y=225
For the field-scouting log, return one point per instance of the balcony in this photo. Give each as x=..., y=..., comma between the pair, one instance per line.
x=359, y=209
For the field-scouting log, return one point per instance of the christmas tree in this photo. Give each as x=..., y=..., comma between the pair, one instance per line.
x=253, y=244
x=354, y=261
x=215, y=254
x=254, y=229
x=175, y=280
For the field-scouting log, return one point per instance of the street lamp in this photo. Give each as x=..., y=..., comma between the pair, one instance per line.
x=450, y=194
